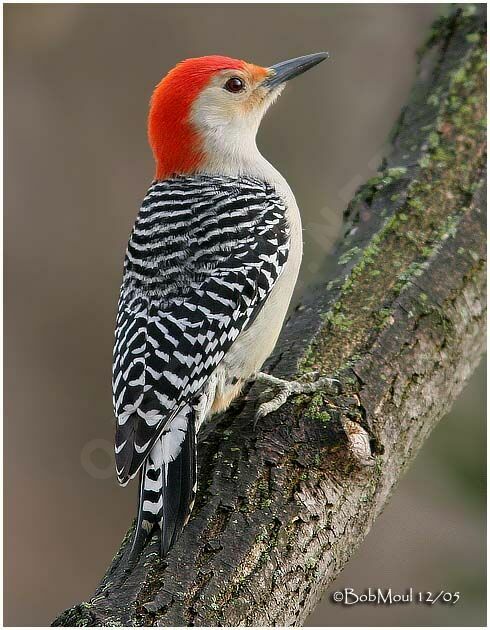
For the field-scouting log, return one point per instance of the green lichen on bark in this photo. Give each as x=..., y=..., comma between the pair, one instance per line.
x=434, y=203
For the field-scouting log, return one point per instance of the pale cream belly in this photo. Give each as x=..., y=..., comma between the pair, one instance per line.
x=254, y=345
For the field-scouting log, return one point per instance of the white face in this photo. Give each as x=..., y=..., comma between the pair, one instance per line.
x=228, y=113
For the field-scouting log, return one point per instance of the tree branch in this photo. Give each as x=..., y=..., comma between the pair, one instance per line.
x=281, y=508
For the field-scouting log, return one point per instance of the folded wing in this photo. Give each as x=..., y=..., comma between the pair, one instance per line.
x=202, y=258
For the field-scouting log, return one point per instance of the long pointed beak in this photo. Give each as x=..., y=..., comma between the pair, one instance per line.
x=286, y=70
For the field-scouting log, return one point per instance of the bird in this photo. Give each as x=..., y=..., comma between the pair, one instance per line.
x=209, y=271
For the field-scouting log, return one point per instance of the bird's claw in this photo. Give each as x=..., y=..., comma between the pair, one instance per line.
x=288, y=388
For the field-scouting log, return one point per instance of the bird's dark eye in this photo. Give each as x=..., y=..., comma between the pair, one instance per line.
x=234, y=85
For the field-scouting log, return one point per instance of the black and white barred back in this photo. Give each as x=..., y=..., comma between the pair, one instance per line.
x=201, y=261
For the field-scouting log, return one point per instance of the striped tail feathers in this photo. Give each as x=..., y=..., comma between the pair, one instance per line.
x=168, y=483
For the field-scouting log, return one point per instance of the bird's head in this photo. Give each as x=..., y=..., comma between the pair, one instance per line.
x=206, y=111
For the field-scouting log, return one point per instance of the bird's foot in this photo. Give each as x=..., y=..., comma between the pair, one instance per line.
x=285, y=389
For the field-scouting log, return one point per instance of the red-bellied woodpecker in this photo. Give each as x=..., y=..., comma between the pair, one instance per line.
x=209, y=271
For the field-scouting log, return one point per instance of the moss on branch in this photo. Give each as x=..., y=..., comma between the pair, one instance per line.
x=432, y=205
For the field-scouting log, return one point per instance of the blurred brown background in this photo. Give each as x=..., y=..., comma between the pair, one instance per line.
x=77, y=83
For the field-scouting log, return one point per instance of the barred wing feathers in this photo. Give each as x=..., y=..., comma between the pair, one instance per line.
x=203, y=256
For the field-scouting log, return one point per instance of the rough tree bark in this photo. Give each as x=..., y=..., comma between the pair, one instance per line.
x=282, y=508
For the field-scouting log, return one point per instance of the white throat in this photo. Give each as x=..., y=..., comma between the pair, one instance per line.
x=232, y=150
x=229, y=138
